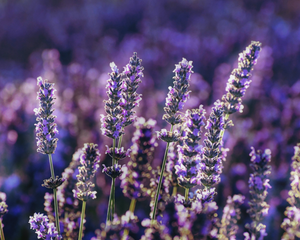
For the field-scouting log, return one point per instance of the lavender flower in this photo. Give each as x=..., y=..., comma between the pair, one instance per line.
x=168, y=136
x=119, y=154
x=113, y=122
x=239, y=79
x=138, y=169
x=178, y=94
x=46, y=127
x=89, y=161
x=132, y=77
x=231, y=214
x=188, y=154
x=258, y=185
x=3, y=205
x=113, y=171
x=211, y=161
x=291, y=224
x=43, y=229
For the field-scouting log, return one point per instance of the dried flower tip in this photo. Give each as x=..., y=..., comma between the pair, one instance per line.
x=53, y=183
x=168, y=136
x=119, y=153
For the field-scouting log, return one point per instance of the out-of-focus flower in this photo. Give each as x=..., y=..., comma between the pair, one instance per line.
x=3, y=205
x=291, y=224
x=239, y=81
x=89, y=161
x=45, y=230
x=46, y=127
x=231, y=214
x=138, y=169
x=258, y=186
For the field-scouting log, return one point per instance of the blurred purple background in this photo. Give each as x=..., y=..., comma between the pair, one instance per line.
x=71, y=43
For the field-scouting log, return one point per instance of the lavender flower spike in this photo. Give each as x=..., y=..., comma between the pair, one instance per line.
x=291, y=224
x=113, y=122
x=46, y=127
x=258, y=186
x=178, y=94
x=89, y=161
x=43, y=229
x=3, y=210
x=132, y=78
x=239, y=81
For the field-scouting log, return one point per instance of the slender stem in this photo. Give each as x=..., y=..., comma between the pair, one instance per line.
x=55, y=195
x=113, y=200
x=1, y=229
x=120, y=139
x=132, y=205
x=81, y=220
x=174, y=191
x=108, y=218
x=187, y=194
x=223, y=131
x=160, y=179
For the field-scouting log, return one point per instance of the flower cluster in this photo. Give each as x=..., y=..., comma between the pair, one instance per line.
x=3, y=205
x=211, y=161
x=239, y=79
x=258, y=186
x=46, y=127
x=113, y=122
x=43, y=229
x=114, y=171
x=89, y=161
x=178, y=94
x=291, y=224
x=137, y=171
x=231, y=214
x=189, y=154
x=130, y=98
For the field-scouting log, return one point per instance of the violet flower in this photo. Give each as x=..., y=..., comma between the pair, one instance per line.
x=178, y=94
x=239, y=81
x=89, y=161
x=189, y=157
x=231, y=214
x=43, y=229
x=3, y=211
x=258, y=186
x=211, y=161
x=46, y=127
x=130, y=98
x=291, y=224
x=112, y=124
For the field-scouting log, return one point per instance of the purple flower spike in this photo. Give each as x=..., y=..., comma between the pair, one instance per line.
x=43, y=229
x=168, y=136
x=239, y=81
x=291, y=224
x=178, y=94
x=130, y=98
x=45, y=126
x=113, y=171
x=113, y=122
x=3, y=205
x=258, y=186
x=89, y=160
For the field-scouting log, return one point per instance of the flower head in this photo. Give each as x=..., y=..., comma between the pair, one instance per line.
x=3, y=205
x=45, y=126
x=89, y=161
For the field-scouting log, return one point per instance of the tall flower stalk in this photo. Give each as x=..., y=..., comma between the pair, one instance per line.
x=45, y=135
x=189, y=153
x=89, y=161
x=258, y=186
x=291, y=224
x=177, y=96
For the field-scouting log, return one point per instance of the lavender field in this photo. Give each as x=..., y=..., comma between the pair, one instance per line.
x=114, y=93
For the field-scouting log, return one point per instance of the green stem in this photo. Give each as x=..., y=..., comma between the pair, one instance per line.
x=55, y=195
x=81, y=220
x=174, y=191
x=160, y=179
x=223, y=131
x=132, y=205
x=113, y=200
x=1, y=229
x=108, y=217
x=186, y=194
